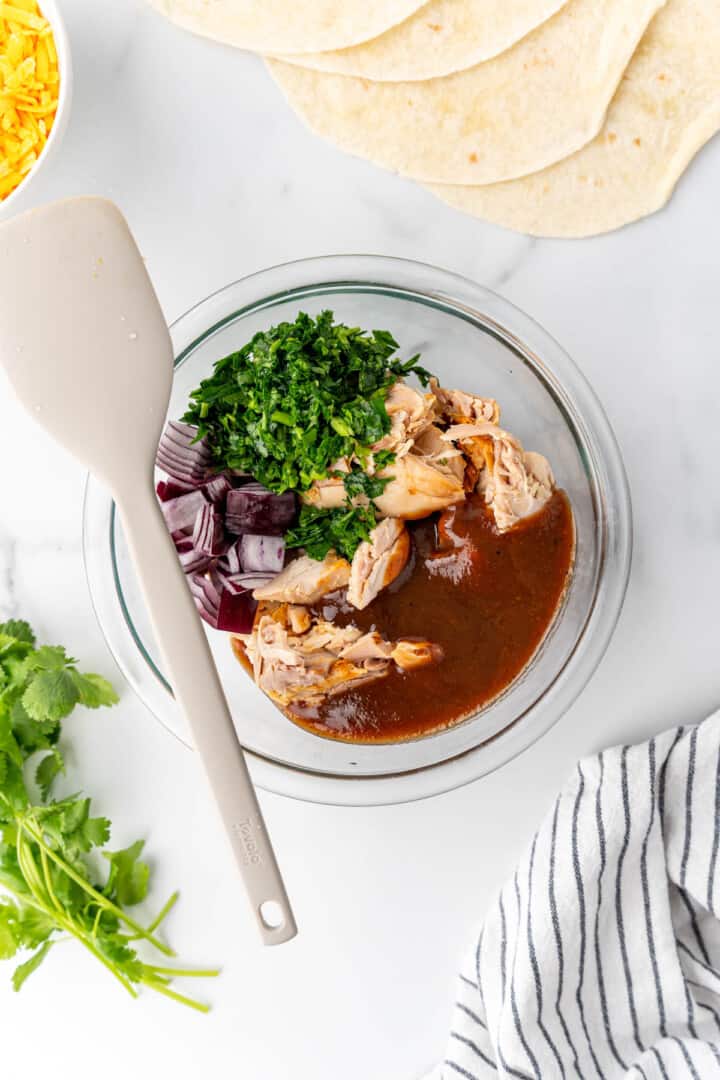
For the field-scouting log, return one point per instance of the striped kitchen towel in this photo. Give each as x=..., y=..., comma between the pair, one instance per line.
x=601, y=957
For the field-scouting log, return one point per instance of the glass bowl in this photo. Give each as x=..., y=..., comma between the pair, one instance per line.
x=471, y=339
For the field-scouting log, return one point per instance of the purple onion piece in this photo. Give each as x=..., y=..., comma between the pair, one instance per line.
x=183, y=543
x=230, y=561
x=217, y=488
x=208, y=532
x=180, y=455
x=204, y=602
x=253, y=509
x=193, y=561
x=236, y=614
x=180, y=471
x=237, y=582
x=186, y=434
x=265, y=553
x=170, y=489
x=181, y=512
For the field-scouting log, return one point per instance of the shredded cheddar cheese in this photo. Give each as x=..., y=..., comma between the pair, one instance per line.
x=29, y=88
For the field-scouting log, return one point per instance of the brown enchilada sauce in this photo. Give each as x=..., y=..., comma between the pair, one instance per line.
x=486, y=598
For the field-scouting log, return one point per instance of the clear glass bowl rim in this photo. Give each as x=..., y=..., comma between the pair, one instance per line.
x=423, y=283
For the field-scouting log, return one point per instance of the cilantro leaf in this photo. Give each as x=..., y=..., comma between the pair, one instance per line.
x=10, y=645
x=23, y=972
x=21, y=928
x=93, y=690
x=18, y=629
x=50, y=658
x=128, y=878
x=15, y=796
x=17, y=668
x=8, y=929
x=48, y=770
x=32, y=735
x=8, y=743
x=33, y=927
x=51, y=695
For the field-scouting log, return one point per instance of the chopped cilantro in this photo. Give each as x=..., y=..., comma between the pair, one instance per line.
x=358, y=482
x=51, y=887
x=298, y=397
x=342, y=529
x=295, y=400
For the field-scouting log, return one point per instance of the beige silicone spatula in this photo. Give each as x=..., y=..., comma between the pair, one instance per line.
x=87, y=350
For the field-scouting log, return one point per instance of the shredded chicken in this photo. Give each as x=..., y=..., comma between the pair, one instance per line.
x=456, y=406
x=305, y=580
x=514, y=483
x=324, y=660
x=378, y=561
x=410, y=413
x=417, y=488
x=410, y=655
x=328, y=494
x=436, y=452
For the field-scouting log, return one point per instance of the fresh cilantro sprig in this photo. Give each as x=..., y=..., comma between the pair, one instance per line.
x=298, y=398
x=47, y=847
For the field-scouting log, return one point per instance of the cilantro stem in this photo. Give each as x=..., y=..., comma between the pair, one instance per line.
x=48, y=880
x=164, y=912
x=102, y=900
x=190, y=1002
x=29, y=869
x=185, y=973
x=83, y=938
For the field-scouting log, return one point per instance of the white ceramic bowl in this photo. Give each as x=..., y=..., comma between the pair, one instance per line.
x=51, y=11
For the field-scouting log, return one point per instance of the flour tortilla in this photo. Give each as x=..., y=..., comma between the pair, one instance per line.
x=442, y=37
x=667, y=107
x=536, y=103
x=288, y=26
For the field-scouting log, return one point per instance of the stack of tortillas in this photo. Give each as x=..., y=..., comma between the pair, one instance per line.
x=553, y=117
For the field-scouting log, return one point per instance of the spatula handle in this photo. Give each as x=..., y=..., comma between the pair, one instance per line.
x=194, y=678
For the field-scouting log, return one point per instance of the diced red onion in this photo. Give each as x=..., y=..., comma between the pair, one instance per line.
x=193, y=561
x=235, y=583
x=181, y=456
x=206, y=601
x=170, y=489
x=217, y=488
x=230, y=561
x=181, y=512
x=253, y=509
x=223, y=611
x=180, y=471
x=236, y=613
x=265, y=553
x=185, y=435
x=183, y=543
x=208, y=532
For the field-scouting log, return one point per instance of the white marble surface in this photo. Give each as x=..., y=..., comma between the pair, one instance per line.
x=219, y=179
